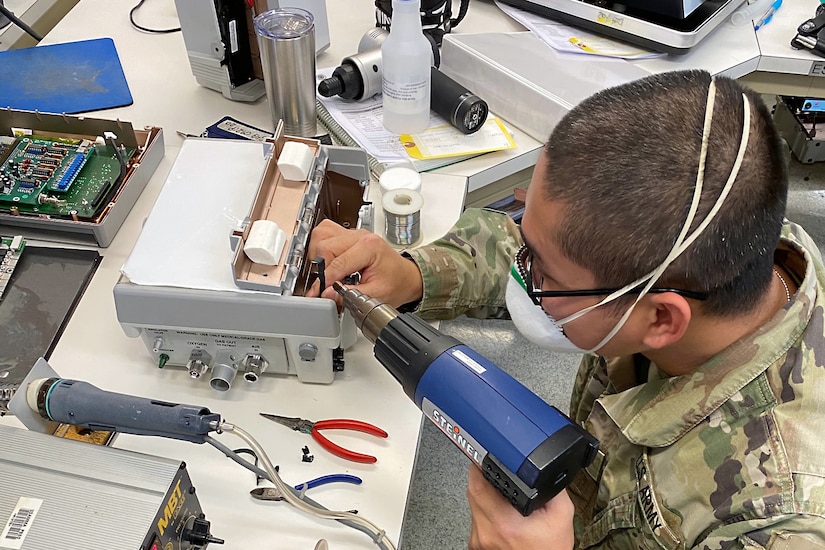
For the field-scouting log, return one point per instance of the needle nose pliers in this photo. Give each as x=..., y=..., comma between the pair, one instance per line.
x=314, y=429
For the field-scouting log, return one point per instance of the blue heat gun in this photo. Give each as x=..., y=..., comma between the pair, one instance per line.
x=526, y=448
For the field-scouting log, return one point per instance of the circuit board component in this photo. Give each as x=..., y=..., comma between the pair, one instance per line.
x=10, y=250
x=59, y=176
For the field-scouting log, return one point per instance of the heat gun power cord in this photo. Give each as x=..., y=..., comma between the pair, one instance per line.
x=296, y=499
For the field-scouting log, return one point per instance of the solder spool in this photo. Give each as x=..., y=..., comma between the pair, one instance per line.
x=402, y=216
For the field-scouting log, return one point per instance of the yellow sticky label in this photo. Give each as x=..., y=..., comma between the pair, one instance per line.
x=447, y=141
x=581, y=45
x=608, y=19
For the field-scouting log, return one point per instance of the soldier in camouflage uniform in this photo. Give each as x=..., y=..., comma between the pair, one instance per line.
x=709, y=397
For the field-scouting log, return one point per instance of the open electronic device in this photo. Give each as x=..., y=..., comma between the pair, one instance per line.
x=670, y=26
x=210, y=304
x=71, y=178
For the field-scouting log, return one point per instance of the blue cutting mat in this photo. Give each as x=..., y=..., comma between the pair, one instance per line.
x=74, y=77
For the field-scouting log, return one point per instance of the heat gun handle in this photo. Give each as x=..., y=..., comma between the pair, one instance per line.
x=82, y=404
x=527, y=448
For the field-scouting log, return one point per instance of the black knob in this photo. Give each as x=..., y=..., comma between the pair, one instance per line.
x=346, y=81
x=198, y=535
x=331, y=86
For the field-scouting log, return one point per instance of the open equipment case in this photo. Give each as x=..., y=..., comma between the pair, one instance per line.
x=208, y=306
x=72, y=179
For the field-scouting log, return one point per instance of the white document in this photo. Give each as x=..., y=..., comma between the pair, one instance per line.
x=362, y=120
x=447, y=141
x=208, y=193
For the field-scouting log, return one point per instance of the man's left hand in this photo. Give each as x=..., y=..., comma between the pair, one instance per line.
x=496, y=525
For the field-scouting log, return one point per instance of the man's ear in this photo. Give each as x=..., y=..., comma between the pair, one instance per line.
x=669, y=318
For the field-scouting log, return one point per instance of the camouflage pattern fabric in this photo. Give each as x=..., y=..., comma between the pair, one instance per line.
x=465, y=272
x=729, y=457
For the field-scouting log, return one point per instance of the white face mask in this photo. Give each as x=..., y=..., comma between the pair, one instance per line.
x=534, y=323
x=541, y=329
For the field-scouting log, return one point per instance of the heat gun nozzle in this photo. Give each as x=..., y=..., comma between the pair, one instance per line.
x=370, y=315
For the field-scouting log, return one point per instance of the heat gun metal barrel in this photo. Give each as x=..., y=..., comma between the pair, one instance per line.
x=526, y=448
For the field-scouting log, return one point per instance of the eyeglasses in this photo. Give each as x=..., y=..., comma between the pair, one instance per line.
x=524, y=267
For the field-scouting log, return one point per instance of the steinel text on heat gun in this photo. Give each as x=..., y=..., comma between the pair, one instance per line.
x=525, y=447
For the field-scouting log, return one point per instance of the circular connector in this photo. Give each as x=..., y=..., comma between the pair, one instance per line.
x=222, y=376
x=197, y=368
x=255, y=365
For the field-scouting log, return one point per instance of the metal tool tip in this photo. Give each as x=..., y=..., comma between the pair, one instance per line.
x=339, y=287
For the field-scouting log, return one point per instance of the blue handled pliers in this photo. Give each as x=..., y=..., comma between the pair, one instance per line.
x=273, y=493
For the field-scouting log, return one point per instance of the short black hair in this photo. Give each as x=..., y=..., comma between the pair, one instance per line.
x=624, y=164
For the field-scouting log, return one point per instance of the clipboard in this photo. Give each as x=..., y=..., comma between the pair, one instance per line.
x=73, y=77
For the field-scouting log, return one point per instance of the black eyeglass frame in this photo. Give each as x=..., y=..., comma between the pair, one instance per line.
x=525, y=268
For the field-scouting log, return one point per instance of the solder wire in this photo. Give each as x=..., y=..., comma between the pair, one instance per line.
x=402, y=216
x=303, y=503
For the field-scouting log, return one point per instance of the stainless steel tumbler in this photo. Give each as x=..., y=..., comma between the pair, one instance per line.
x=286, y=38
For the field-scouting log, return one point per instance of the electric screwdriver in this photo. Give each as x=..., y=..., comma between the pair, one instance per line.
x=526, y=448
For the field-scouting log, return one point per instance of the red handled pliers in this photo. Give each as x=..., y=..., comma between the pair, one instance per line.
x=314, y=429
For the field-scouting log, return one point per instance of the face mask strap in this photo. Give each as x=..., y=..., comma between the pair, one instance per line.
x=697, y=193
x=681, y=244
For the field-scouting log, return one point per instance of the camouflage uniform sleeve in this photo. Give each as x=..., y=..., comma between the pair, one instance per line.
x=465, y=272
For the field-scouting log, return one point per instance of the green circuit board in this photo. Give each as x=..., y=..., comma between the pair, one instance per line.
x=55, y=176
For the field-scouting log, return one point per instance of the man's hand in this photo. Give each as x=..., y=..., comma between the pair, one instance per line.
x=496, y=525
x=385, y=274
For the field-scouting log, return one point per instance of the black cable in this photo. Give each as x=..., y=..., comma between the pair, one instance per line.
x=251, y=453
x=146, y=29
x=14, y=19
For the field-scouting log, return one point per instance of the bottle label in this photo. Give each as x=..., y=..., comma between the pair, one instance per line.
x=406, y=97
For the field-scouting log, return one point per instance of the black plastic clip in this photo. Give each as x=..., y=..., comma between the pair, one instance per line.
x=318, y=267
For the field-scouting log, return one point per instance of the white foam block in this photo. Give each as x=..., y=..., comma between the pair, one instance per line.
x=295, y=161
x=265, y=242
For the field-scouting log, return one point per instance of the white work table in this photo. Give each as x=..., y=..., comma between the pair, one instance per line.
x=94, y=348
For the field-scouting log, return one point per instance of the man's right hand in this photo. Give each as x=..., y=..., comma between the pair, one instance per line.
x=385, y=274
